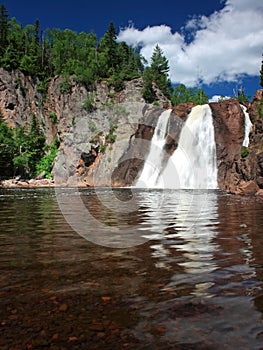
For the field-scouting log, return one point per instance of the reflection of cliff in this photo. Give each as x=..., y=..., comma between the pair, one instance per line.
x=243, y=251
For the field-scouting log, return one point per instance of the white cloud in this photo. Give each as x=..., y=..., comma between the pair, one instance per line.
x=217, y=98
x=224, y=46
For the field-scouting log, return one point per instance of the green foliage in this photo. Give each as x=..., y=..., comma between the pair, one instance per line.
x=182, y=94
x=65, y=86
x=260, y=109
x=241, y=96
x=29, y=148
x=111, y=136
x=88, y=104
x=20, y=149
x=42, y=86
x=53, y=117
x=102, y=149
x=73, y=121
x=147, y=91
x=6, y=149
x=111, y=94
x=66, y=53
x=108, y=47
x=244, y=152
x=117, y=81
x=156, y=73
x=3, y=29
x=45, y=164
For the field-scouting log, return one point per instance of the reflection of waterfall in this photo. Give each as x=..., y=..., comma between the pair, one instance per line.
x=193, y=164
x=153, y=163
x=188, y=226
x=248, y=126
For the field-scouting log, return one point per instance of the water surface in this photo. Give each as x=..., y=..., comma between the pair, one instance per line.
x=146, y=269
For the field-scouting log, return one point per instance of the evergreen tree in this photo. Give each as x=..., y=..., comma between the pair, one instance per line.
x=108, y=47
x=28, y=148
x=3, y=29
x=15, y=46
x=148, y=91
x=6, y=149
x=182, y=94
x=31, y=61
x=159, y=63
x=157, y=73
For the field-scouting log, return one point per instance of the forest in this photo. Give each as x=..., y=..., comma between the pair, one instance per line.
x=47, y=53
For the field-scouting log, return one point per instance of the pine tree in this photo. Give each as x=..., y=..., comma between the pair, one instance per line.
x=3, y=29
x=157, y=73
x=108, y=47
x=159, y=65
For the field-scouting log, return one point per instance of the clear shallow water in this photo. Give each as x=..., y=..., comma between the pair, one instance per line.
x=170, y=270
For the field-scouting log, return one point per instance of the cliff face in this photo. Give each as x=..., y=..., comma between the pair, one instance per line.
x=105, y=135
x=82, y=117
x=238, y=171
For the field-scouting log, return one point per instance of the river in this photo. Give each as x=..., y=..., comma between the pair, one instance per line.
x=130, y=269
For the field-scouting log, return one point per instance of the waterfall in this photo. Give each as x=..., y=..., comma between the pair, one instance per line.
x=153, y=162
x=193, y=163
x=248, y=126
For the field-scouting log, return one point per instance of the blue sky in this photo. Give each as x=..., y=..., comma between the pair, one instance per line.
x=212, y=44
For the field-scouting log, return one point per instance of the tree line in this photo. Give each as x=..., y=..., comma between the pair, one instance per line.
x=47, y=53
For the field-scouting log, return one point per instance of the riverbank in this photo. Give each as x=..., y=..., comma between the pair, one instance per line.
x=35, y=183
x=27, y=183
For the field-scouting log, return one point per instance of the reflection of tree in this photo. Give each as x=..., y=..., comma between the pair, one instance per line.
x=243, y=233
x=112, y=208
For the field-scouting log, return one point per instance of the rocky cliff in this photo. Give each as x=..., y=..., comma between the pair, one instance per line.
x=240, y=169
x=105, y=135
x=86, y=120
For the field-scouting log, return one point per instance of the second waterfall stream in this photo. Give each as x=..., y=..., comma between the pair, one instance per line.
x=193, y=163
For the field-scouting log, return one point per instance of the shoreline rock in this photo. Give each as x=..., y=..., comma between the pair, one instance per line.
x=49, y=183
x=14, y=183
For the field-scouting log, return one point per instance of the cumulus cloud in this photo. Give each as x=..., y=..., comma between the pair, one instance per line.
x=221, y=47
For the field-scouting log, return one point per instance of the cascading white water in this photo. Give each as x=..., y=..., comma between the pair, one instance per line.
x=153, y=162
x=193, y=164
x=248, y=126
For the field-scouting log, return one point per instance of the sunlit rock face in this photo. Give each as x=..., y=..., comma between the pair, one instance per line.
x=238, y=171
x=228, y=121
x=132, y=161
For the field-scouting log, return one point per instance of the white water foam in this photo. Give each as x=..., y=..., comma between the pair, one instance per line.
x=248, y=126
x=153, y=162
x=193, y=163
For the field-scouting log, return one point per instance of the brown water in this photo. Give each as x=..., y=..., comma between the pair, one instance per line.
x=171, y=270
